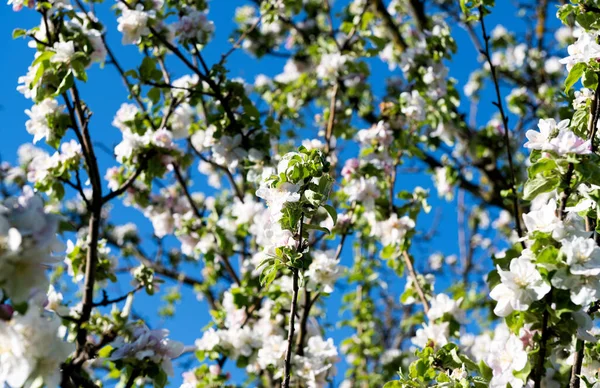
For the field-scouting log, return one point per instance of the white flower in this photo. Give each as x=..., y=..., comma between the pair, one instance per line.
x=181, y=84
x=584, y=290
x=519, y=287
x=202, y=140
x=17, y=5
x=435, y=261
x=443, y=185
x=506, y=355
x=541, y=140
x=163, y=223
x=163, y=138
x=291, y=71
x=194, y=25
x=393, y=230
x=125, y=116
x=32, y=349
x=95, y=38
x=227, y=152
x=566, y=142
x=54, y=302
x=552, y=65
x=147, y=344
x=498, y=32
x=133, y=23
x=25, y=86
x=543, y=220
x=64, y=52
x=323, y=271
x=442, y=304
x=277, y=197
x=378, y=135
x=247, y=210
x=583, y=256
x=182, y=118
x=331, y=65
x=414, y=105
x=364, y=191
x=582, y=96
x=38, y=124
x=272, y=351
x=433, y=332
x=582, y=51
x=27, y=242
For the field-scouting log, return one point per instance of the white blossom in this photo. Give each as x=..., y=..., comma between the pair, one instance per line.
x=323, y=271
x=39, y=124
x=393, y=230
x=228, y=151
x=146, y=344
x=133, y=23
x=547, y=128
x=64, y=52
x=436, y=333
x=442, y=304
x=363, y=191
x=582, y=51
x=32, y=349
x=506, y=356
x=519, y=287
x=331, y=65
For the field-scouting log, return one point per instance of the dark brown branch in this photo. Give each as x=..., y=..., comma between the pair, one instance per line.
x=294, y=308
x=127, y=184
x=105, y=301
x=390, y=24
x=486, y=52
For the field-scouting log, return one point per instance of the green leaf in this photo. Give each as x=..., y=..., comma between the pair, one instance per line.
x=46, y=55
x=538, y=185
x=574, y=75
x=79, y=70
x=154, y=95
x=590, y=79
x=332, y=213
x=147, y=68
x=316, y=227
x=65, y=84
x=18, y=32
x=485, y=370
x=268, y=275
x=541, y=166
x=160, y=380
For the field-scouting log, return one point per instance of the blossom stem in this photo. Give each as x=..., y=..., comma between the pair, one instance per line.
x=413, y=275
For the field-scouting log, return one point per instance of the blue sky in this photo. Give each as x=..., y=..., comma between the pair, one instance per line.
x=104, y=93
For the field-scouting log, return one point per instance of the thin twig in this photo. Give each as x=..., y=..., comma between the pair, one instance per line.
x=486, y=52
x=413, y=275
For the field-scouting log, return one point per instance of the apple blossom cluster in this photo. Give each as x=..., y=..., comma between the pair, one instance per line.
x=238, y=184
x=32, y=339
